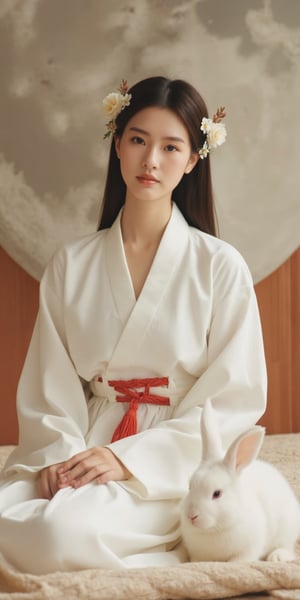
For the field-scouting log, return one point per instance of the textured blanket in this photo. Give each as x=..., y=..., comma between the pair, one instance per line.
x=199, y=581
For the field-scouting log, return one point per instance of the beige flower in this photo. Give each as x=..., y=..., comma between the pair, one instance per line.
x=113, y=104
x=216, y=135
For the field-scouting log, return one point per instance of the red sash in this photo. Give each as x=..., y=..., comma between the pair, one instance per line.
x=135, y=392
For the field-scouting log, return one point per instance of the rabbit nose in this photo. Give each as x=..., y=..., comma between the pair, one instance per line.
x=193, y=518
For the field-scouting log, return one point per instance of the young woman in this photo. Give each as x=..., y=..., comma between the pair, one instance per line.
x=138, y=324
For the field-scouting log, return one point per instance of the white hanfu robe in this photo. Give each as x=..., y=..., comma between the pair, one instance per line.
x=195, y=322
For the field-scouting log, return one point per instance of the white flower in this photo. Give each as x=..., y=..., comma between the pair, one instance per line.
x=126, y=100
x=206, y=125
x=113, y=104
x=214, y=131
x=216, y=135
x=203, y=152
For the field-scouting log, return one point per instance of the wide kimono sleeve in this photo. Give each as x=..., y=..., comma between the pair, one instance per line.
x=234, y=378
x=51, y=404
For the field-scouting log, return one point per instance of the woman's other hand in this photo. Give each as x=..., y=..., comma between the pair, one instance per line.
x=48, y=481
x=96, y=464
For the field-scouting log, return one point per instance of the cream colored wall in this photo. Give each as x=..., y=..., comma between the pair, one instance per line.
x=61, y=57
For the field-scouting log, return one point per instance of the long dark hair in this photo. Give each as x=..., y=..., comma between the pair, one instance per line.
x=193, y=195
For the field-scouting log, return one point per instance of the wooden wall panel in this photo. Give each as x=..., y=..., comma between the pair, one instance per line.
x=279, y=302
x=274, y=296
x=18, y=308
x=295, y=350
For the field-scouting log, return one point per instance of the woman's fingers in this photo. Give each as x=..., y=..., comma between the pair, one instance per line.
x=85, y=471
x=79, y=466
x=44, y=489
x=96, y=464
x=69, y=464
x=48, y=482
x=91, y=475
x=53, y=484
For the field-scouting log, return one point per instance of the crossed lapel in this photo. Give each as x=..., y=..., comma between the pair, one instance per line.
x=136, y=315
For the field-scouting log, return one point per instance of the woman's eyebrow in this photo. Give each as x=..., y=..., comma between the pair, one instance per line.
x=167, y=137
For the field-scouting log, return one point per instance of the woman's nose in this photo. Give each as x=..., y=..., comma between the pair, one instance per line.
x=150, y=159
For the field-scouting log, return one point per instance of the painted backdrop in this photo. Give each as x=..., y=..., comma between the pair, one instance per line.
x=59, y=58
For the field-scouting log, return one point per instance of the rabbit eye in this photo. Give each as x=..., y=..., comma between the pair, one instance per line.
x=217, y=494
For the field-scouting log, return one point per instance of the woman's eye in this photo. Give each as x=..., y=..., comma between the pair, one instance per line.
x=171, y=148
x=137, y=140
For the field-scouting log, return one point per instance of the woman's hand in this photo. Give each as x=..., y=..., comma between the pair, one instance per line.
x=48, y=481
x=95, y=464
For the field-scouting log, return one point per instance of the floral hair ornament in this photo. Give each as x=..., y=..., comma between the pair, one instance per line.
x=112, y=105
x=215, y=132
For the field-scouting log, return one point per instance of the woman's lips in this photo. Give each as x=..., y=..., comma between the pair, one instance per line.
x=147, y=179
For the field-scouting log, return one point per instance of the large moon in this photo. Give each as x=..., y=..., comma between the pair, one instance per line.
x=59, y=59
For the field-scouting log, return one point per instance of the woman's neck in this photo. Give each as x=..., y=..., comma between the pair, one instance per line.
x=144, y=225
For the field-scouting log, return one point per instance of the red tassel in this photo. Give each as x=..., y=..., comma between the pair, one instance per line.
x=128, y=424
x=129, y=393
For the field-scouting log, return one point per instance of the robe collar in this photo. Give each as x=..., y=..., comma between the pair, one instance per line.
x=136, y=314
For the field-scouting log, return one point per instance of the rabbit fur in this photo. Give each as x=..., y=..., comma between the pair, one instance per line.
x=237, y=507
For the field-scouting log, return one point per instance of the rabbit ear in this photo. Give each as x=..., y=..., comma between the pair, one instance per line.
x=211, y=439
x=244, y=449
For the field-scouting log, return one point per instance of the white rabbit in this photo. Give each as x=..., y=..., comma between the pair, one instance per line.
x=238, y=508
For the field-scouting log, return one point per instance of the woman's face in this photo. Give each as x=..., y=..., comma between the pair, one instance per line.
x=154, y=153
